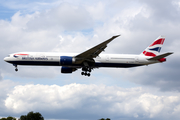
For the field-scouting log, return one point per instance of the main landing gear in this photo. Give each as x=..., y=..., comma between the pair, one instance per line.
x=16, y=69
x=85, y=71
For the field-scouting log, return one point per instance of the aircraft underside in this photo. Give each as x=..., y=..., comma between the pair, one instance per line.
x=86, y=70
x=97, y=64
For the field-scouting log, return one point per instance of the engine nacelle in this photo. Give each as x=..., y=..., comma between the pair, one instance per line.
x=67, y=69
x=162, y=60
x=66, y=60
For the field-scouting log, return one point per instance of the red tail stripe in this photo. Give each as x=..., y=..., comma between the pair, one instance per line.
x=21, y=54
x=162, y=60
x=159, y=41
x=149, y=54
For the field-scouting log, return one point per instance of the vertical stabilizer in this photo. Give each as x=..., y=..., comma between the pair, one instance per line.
x=155, y=48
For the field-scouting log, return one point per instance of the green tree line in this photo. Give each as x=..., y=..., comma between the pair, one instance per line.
x=33, y=116
x=30, y=116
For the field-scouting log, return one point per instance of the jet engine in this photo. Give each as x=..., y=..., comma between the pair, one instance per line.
x=67, y=69
x=66, y=60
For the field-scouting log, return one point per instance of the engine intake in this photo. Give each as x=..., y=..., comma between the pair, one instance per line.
x=66, y=60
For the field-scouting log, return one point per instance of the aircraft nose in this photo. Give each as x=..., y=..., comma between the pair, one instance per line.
x=6, y=59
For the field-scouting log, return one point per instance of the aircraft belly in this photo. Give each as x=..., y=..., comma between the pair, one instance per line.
x=119, y=65
x=43, y=63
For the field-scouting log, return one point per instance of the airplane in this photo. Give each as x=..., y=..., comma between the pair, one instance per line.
x=91, y=58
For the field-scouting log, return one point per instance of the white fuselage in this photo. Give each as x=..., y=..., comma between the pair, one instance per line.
x=53, y=59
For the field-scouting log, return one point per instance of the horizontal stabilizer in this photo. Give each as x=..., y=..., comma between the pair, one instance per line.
x=160, y=56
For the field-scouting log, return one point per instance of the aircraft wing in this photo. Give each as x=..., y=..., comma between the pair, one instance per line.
x=94, y=51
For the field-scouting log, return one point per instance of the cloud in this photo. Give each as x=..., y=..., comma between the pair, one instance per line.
x=91, y=102
x=0, y=76
x=5, y=87
x=167, y=12
x=64, y=17
x=29, y=6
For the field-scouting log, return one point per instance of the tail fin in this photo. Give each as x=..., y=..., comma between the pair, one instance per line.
x=155, y=48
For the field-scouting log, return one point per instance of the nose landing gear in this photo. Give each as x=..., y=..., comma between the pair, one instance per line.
x=16, y=69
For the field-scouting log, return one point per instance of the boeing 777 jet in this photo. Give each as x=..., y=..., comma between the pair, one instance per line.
x=91, y=58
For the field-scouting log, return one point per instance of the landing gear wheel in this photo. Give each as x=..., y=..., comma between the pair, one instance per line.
x=16, y=69
x=86, y=71
x=85, y=74
x=88, y=74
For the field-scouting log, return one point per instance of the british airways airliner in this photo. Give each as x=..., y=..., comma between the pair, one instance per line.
x=91, y=58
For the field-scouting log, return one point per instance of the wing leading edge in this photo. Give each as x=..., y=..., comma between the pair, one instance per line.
x=93, y=52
